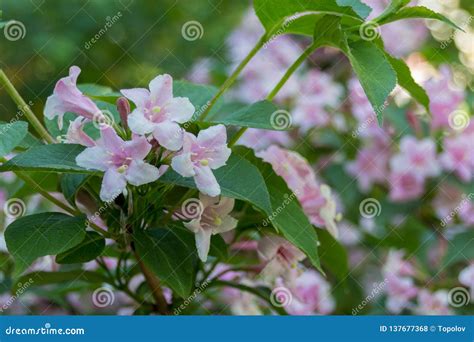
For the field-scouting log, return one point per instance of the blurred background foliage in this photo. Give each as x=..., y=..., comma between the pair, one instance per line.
x=145, y=40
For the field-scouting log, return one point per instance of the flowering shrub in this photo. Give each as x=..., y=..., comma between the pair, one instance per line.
x=288, y=190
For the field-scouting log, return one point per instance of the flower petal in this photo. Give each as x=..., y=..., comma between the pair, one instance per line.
x=113, y=185
x=212, y=136
x=179, y=109
x=228, y=223
x=194, y=225
x=139, y=173
x=93, y=158
x=169, y=134
x=139, y=96
x=161, y=89
x=110, y=141
x=183, y=165
x=206, y=181
x=138, y=147
x=203, y=243
x=138, y=123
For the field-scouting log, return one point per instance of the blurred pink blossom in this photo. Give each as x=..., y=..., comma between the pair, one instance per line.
x=311, y=295
x=444, y=99
x=435, y=303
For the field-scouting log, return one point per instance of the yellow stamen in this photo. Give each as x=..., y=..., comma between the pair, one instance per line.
x=156, y=109
x=122, y=169
x=204, y=162
x=217, y=221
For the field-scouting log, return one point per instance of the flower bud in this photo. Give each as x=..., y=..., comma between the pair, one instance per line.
x=123, y=107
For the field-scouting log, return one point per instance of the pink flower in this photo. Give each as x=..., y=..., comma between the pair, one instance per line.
x=318, y=92
x=400, y=286
x=315, y=199
x=416, y=156
x=458, y=157
x=76, y=135
x=202, y=154
x=311, y=295
x=122, y=162
x=397, y=265
x=213, y=219
x=405, y=186
x=259, y=139
x=159, y=113
x=443, y=98
x=436, y=303
x=281, y=257
x=466, y=277
x=67, y=98
x=370, y=167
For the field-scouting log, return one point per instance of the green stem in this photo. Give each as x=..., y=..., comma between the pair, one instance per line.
x=23, y=106
x=233, y=77
x=309, y=50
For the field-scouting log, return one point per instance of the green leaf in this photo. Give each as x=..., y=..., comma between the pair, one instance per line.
x=219, y=248
x=238, y=179
x=460, y=249
x=374, y=71
x=42, y=278
x=171, y=255
x=11, y=135
x=328, y=32
x=419, y=12
x=394, y=6
x=279, y=15
x=200, y=96
x=70, y=185
x=90, y=248
x=34, y=236
x=262, y=114
x=286, y=213
x=47, y=158
x=99, y=92
x=333, y=255
x=406, y=81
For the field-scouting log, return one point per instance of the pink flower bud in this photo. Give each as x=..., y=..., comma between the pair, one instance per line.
x=123, y=107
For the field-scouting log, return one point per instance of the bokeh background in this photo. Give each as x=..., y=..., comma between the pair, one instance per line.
x=397, y=260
